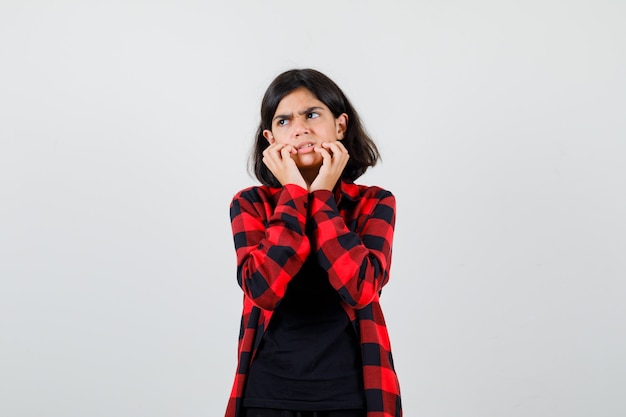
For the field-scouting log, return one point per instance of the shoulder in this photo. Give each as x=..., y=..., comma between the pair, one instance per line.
x=259, y=201
x=367, y=192
x=255, y=194
x=375, y=191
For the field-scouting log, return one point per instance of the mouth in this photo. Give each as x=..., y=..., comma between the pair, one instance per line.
x=305, y=147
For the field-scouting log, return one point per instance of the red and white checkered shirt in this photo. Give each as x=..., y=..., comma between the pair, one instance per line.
x=350, y=231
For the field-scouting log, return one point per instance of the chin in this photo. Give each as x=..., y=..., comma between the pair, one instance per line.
x=309, y=161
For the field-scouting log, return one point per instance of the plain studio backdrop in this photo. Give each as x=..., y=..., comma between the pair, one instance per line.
x=124, y=132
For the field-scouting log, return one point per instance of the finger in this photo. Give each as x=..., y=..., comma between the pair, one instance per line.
x=326, y=157
x=277, y=147
x=269, y=163
x=335, y=147
x=272, y=157
x=341, y=146
x=322, y=151
x=285, y=153
x=270, y=149
x=274, y=151
x=339, y=154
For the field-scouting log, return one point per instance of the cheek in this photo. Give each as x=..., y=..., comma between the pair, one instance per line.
x=280, y=137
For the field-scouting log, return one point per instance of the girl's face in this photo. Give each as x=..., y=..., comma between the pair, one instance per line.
x=304, y=122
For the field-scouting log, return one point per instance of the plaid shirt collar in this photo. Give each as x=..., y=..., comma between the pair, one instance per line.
x=346, y=189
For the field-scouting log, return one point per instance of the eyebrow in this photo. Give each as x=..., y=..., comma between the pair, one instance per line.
x=287, y=116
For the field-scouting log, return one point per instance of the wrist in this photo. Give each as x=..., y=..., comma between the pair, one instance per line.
x=300, y=184
x=313, y=188
x=322, y=185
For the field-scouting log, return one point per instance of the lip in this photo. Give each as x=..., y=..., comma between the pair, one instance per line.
x=305, y=147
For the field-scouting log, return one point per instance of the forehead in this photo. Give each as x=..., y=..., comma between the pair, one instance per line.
x=299, y=99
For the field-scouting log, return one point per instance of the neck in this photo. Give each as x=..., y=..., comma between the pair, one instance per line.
x=309, y=175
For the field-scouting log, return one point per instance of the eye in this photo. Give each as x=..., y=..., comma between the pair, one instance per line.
x=282, y=122
x=313, y=115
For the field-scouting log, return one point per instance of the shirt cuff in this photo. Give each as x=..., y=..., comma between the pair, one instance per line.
x=293, y=195
x=323, y=201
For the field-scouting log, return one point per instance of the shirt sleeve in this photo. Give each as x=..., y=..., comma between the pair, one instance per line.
x=357, y=262
x=271, y=246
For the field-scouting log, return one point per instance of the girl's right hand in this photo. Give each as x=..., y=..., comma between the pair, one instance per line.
x=277, y=158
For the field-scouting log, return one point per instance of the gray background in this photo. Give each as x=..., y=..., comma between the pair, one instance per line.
x=124, y=131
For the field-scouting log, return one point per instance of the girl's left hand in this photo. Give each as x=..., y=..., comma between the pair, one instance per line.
x=335, y=157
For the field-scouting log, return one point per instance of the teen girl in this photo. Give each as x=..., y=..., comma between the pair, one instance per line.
x=313, y=253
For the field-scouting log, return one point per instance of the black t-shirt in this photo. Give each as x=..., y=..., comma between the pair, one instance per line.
x=309, y=357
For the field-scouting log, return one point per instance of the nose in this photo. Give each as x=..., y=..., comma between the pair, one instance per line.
x=300, y=127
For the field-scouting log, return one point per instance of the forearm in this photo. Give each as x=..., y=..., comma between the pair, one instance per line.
x=357, y=261
x=270, y=249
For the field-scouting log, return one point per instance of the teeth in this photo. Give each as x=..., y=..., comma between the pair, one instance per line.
x=306, y=146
